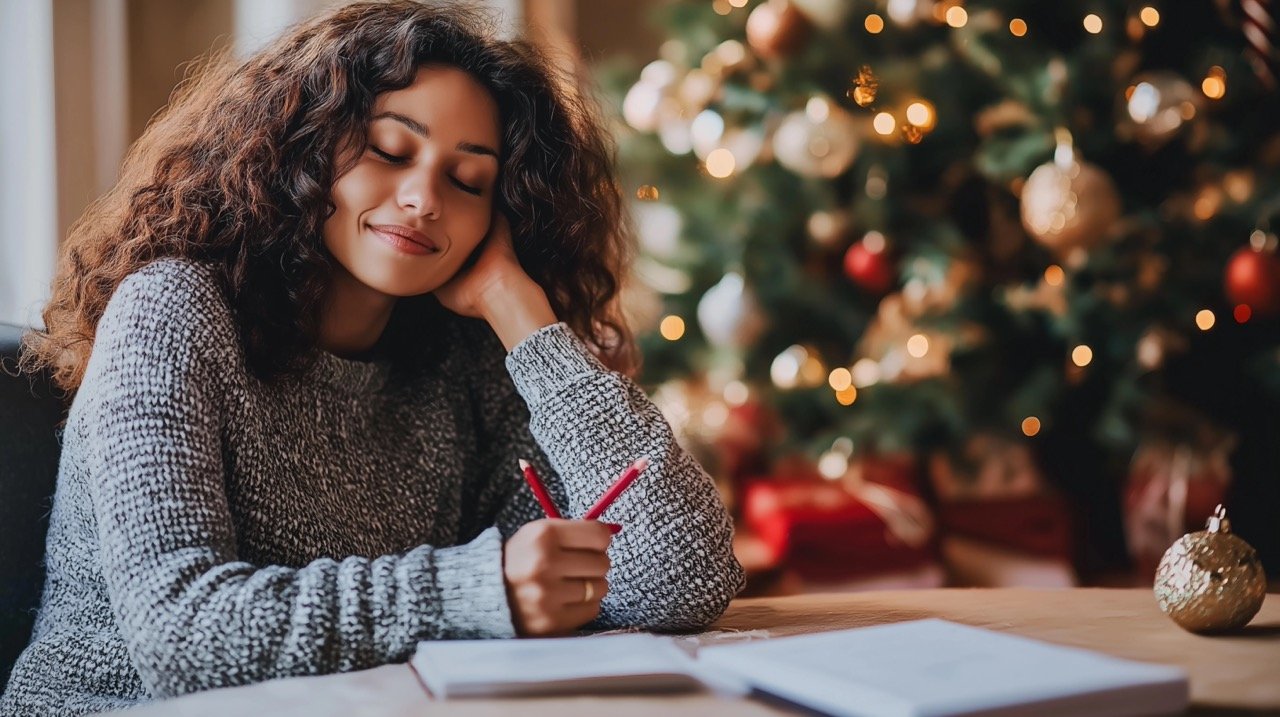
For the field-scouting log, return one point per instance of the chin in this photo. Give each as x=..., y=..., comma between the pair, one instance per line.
x=395, y=279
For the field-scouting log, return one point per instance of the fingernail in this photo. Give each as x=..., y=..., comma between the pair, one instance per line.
x=614, y=528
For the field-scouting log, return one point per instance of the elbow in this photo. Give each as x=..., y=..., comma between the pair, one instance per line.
x=681, y=601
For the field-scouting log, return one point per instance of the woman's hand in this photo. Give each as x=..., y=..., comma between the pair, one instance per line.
x=497, y=289
x=555, y=574
x=495, y=268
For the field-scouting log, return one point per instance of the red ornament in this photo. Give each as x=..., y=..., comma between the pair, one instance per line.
x=870, y=270
x=1253, y=278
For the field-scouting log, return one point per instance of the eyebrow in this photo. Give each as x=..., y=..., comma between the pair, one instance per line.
x=420, y=129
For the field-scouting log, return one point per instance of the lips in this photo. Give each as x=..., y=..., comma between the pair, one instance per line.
x=407, y=234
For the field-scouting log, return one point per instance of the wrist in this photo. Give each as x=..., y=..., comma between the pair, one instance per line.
x=515, y=308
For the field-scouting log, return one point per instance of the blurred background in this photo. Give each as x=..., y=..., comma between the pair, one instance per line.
x=940, y=292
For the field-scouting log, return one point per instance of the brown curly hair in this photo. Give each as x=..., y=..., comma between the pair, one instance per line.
x=237, y=172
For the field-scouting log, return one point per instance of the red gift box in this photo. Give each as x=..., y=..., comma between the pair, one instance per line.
x=1035, y=524
x=824, y=531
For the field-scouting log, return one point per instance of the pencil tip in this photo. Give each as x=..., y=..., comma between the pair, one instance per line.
x=642, y=463
x=524, y=465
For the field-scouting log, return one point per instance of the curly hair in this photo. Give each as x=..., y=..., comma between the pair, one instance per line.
x=237, y=172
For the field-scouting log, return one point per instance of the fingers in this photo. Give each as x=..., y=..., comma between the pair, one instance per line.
x=581, y=564
x=573, y=592
x=582, y=534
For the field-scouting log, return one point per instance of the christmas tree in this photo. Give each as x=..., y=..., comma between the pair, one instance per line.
x=918, y=226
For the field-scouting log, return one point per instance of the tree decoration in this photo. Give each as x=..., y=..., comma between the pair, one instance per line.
x=777, y=29
x=729, y=313
x=819, y=141
x=1252, y=278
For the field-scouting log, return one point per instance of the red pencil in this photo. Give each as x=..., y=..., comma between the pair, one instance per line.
x=539, y=490
x=615, y=490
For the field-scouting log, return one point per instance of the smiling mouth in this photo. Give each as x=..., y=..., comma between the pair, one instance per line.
x=406, y=239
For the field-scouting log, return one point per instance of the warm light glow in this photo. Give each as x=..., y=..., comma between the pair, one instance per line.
x=847, y=396
x=1215, y=85
x=1207, y=203
x=1081, y=355
x=1150, y=16
x=833, y=464
x=840, y=379
x=956, y=16
x=720, y=163
x=874, y=24
x=1092, y=23
x=671, y=328
x=921, y=115
x=1205, y=319
x=1054, y=275
x=873, y=241
x=736, y=393
x=884, y=123
x=1242, y=313
x=866, y=372
x=1018, y=27
x=1030, y=426
x=647, y=193
x=738, y=3
x=722, y=7
x=918, y=345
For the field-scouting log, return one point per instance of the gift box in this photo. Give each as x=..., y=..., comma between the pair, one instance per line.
x=824, y=531
x=1036, y=525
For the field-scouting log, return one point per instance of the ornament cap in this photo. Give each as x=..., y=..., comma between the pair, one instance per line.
x=1218, y=522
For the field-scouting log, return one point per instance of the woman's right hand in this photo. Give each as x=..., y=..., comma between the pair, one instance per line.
x=555, y=574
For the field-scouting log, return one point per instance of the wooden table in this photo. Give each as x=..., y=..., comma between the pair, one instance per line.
x=1234, y=674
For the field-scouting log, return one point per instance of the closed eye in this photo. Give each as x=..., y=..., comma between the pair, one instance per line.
x=466, y=188
x=394, y=159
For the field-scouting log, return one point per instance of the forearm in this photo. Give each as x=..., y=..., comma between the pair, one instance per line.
x=673, y=561
x=237, y=624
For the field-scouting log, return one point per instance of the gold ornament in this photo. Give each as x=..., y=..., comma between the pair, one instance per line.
x=1159, y=104
x=1069, y=205
x=818, y=141
x=1211, y=580
x=864, y=88
x=647, y=193
x=777, y=29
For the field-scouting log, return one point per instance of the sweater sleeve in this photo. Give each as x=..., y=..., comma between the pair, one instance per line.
x=672, y=565
x=192, y=614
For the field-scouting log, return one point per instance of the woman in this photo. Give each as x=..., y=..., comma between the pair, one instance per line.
x=307, y=351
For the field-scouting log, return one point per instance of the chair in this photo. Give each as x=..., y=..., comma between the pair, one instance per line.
x=30, y=410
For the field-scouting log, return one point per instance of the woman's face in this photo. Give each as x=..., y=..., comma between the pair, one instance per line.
x=418, y=201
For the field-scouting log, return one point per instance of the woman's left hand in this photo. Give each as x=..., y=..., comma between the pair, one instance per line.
x=497, y=289
x=496, y=270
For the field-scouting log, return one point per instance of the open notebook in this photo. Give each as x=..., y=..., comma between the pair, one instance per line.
x=911, y=669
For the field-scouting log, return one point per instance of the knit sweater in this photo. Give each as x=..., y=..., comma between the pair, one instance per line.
x=210, y=529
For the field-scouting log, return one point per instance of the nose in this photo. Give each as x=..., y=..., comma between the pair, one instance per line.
x=419, y=193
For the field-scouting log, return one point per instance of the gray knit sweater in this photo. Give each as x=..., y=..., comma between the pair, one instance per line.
x=210, y=529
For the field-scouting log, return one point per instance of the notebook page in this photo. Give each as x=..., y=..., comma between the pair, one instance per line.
x=936, y=667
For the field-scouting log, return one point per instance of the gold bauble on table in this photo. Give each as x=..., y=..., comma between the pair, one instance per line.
x=1211, y=580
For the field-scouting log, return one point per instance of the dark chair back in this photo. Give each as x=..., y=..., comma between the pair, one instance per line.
x=30, y=411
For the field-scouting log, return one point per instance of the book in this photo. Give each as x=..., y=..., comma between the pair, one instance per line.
x=928, y=668
x=633, y=662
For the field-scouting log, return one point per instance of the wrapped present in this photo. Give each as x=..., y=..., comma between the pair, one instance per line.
x=839, y=529
x=1037, y=525
x=992, y=491
x=1171, y=490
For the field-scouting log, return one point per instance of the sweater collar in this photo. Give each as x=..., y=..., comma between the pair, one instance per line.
x=349, y=375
